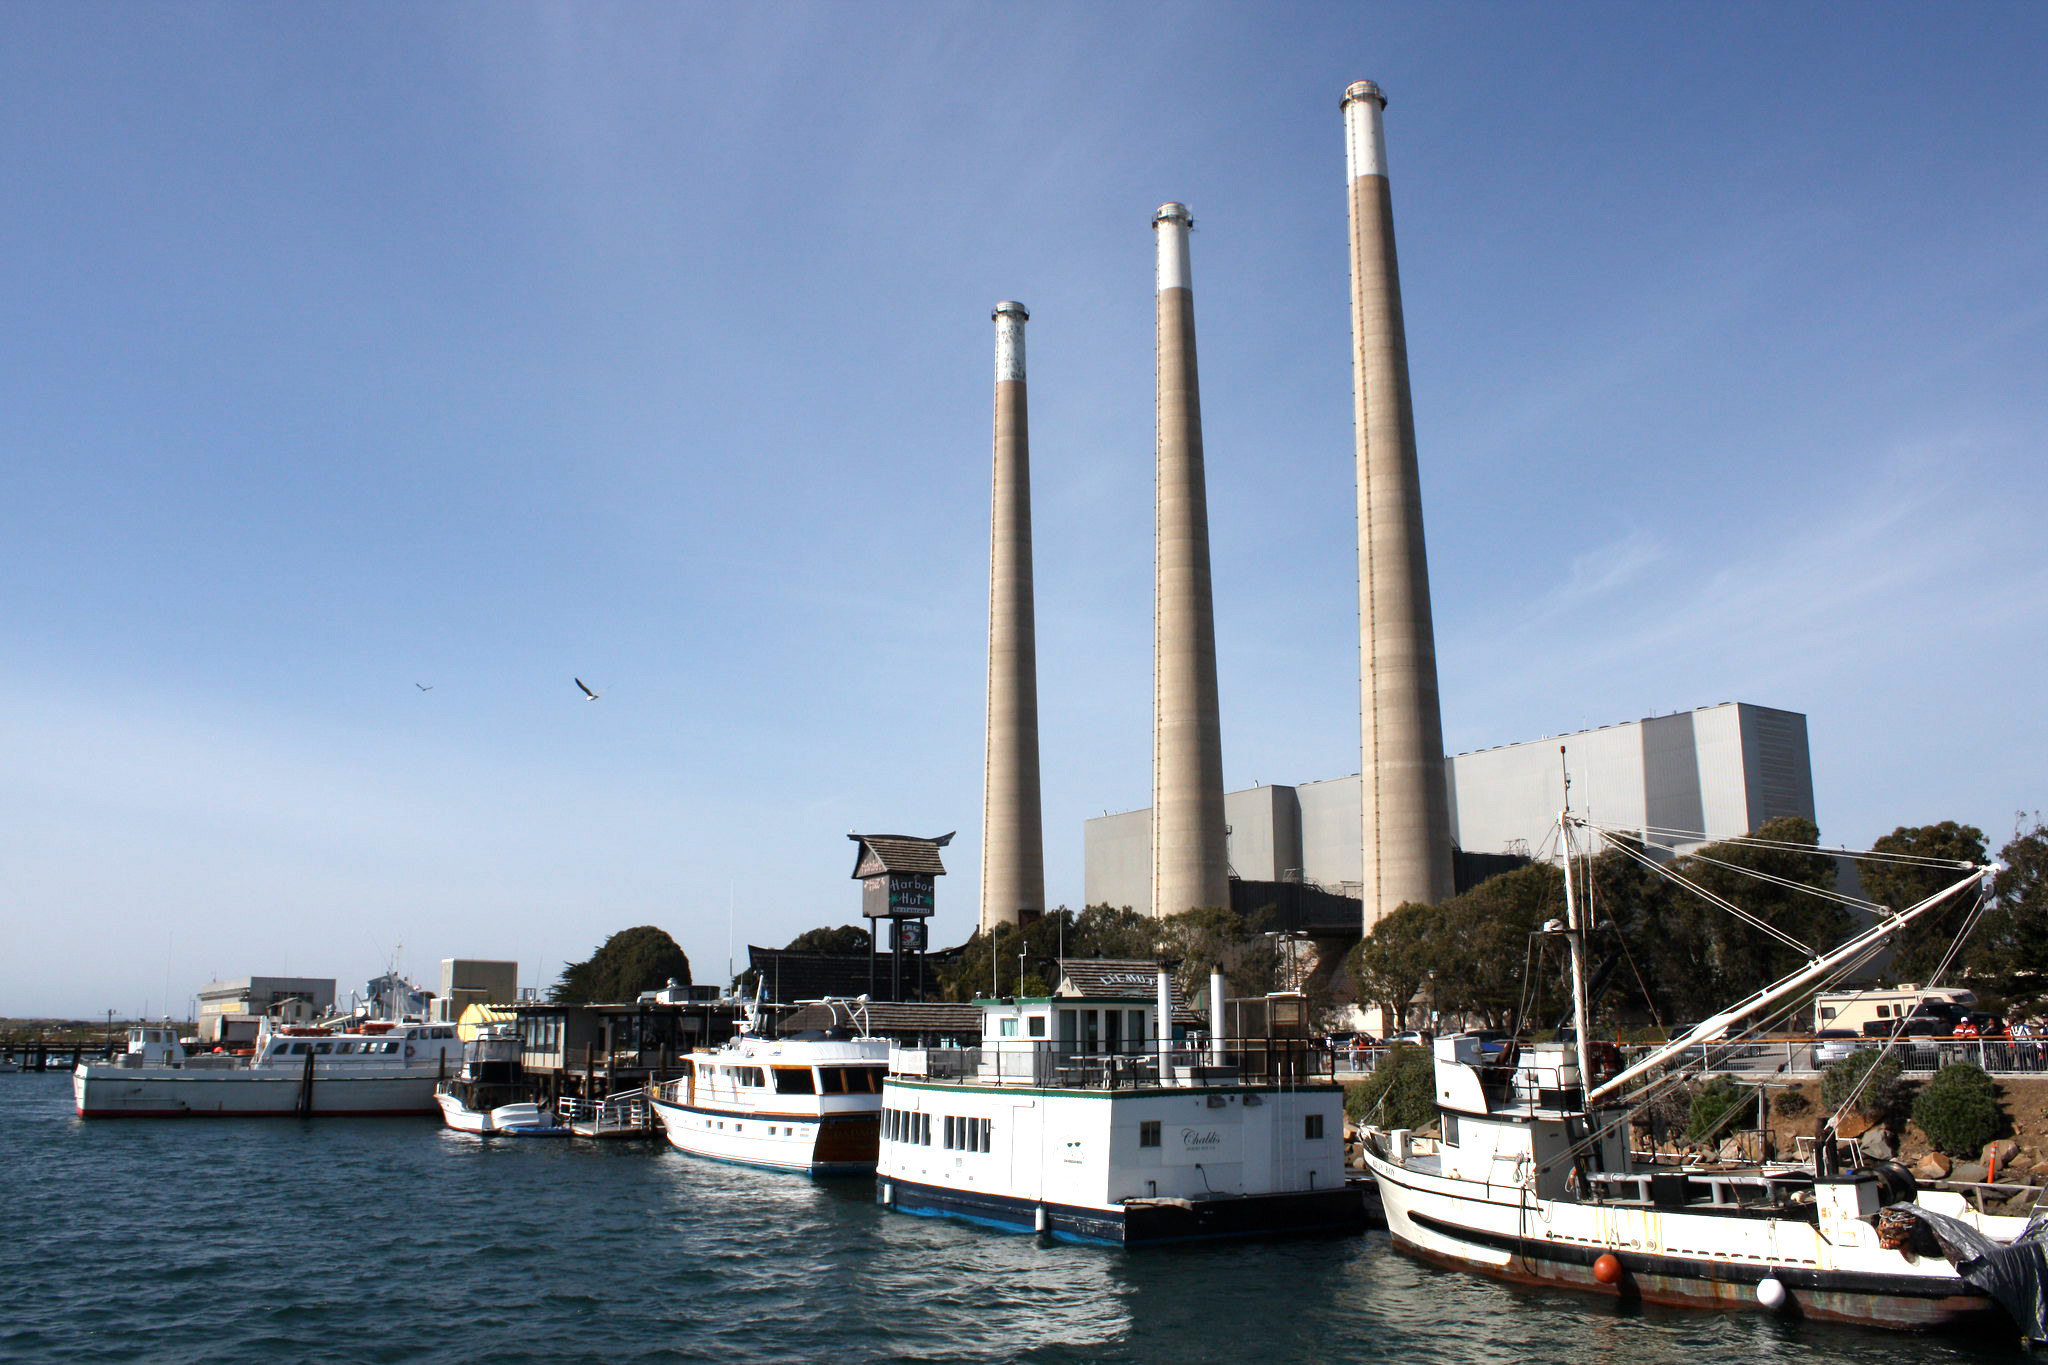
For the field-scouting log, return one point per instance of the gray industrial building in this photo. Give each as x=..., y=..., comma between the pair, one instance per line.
x=229, y=1011
x=1679, y=780
x=467, y=981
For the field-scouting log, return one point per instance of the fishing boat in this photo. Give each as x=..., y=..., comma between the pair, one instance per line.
x=810, y=1102
x=1087, y=1116
x=485, y=1098
x=1531, y=1179
x=358, y=1067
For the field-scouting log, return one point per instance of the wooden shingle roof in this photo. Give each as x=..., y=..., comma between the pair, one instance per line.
x=1121, y=978
x=890, y=1018
x=898, y=853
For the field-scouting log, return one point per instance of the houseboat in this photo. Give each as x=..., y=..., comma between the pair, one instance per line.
x=1088, y=1115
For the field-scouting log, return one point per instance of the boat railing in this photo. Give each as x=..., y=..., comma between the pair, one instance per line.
x=627, y=1111
x=1120, y=1066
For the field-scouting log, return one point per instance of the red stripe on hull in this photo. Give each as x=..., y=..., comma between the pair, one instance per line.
x=256, y=1113
x=1867, y=1310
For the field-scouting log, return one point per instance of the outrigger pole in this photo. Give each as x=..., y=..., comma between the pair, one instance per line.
x=1711, y=1030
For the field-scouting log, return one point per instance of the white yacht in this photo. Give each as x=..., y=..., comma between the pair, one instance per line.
x=810, y=1102
x=1532, y=1180
x=361, y=1067
x=1082, y=1116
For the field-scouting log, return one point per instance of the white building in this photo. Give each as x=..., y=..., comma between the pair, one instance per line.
x=1679, y=780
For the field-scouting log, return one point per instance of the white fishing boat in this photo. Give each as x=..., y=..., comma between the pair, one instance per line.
x=810, y=1102
x=1532, y=1179
x=359, y=1068
x=485, y=1097
x=1082, y=1115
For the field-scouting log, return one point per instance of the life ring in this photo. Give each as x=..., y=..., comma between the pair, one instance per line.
x=408, y=1051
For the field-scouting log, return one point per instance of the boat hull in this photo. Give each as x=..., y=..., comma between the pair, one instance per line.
x=813, y=1144
x=1557, y=1244
x=1331, y=1210
x=100, y=1091
x=515, y=1120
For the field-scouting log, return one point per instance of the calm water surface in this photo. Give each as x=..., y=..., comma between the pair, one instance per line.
x=378, y=1239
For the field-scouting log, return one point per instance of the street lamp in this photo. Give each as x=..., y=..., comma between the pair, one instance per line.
x=1432, y=1000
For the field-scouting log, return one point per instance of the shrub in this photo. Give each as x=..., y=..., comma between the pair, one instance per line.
x=1400, y=1093
x=1709, y=1104
x=1958, y=1110
x=1791, y=1104
x=1883, y=1097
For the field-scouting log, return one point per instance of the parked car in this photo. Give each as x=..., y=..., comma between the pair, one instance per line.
x=1411, y=1037
x=1833, y=1044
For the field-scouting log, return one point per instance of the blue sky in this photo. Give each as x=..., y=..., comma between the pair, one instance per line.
x=354, y=347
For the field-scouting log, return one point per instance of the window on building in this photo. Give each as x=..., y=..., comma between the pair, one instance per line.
x=1312, y=1125
x=1148, y=1133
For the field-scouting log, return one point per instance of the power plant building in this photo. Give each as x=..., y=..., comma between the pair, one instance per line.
x=1678, y=780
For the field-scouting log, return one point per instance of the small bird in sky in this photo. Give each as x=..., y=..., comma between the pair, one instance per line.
x=588, y=695
x=424, y=687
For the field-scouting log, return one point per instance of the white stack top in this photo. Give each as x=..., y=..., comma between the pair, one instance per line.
x=1010, y=317
x=1171, y=226
x=1365, y=139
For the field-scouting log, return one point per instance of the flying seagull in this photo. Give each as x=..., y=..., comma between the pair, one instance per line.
x=588, y=695
x=424, y=687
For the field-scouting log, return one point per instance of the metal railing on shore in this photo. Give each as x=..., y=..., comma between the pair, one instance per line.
x=1795, y=1055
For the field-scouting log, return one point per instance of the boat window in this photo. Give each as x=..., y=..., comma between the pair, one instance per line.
x=946, y=1140
x=323, y=1048
x=1037, y=1026
x=1312, y=1126
x=1009, y=1028
x=831, y=1080
x=924, y=1129
x=297, y=1049
x=344, y=1048
x=794, y=1080
x=1148, y=1133
x=1450, y=1130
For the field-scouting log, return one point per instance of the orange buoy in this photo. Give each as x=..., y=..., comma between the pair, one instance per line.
x=1607, y=1269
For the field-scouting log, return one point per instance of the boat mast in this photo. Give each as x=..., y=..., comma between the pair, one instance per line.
x=1575, y=933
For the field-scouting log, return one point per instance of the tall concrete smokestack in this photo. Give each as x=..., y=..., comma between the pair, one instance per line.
x=1012, y=837
x=1190, y=865
x=1407, y=823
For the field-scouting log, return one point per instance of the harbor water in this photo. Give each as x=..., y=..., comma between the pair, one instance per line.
x=388, y=1240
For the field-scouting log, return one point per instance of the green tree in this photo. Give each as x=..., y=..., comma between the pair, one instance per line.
x=1710, y=1104
x=1400, y=1093
x=1637, y=909
x=1875, y=1079
x=1480, y=943
x=1959, y=1109
x=1390, y=963
x=1919, y=948
x=629, y=962
x=1216, y=936
x=2011, y=951
x=1111, y=931
x=847, y=938
x=1716, y=958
